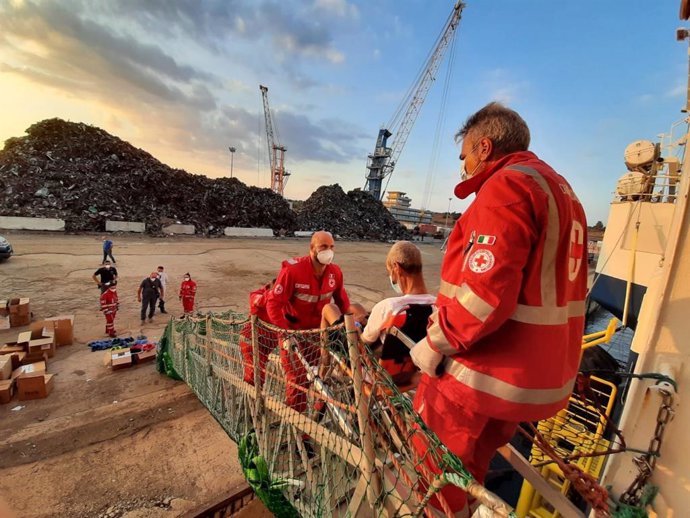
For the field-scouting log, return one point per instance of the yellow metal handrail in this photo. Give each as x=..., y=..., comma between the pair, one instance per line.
x=600, y=337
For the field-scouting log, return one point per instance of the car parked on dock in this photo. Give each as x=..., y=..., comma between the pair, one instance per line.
x=5, y=249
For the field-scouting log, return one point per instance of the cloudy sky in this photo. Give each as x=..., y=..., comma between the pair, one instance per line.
x=180, y=78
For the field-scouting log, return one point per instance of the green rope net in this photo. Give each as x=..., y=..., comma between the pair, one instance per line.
x=322, y=429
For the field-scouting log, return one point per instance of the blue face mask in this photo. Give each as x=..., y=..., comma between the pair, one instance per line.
x=396, y=287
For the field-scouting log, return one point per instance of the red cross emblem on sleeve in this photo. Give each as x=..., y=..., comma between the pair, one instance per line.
x=481, y=261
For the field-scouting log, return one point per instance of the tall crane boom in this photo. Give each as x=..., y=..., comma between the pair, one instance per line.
x=382, y=161
x=276, y=152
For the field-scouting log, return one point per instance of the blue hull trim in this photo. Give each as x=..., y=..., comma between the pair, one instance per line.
x=609, y=292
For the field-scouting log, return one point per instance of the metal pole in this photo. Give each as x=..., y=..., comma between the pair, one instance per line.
x=232, y=159
x=448, y=212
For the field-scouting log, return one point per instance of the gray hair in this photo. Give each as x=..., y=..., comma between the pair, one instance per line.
x=406, y=255
x=505, y=128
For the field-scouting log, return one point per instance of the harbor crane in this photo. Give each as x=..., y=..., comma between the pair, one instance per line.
x=276, y=151
x=381, y=162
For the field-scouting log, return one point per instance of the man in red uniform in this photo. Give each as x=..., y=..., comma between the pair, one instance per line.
x=504, y=344
x=109, y=307
x=187, y=294
x=267, y=339
x=304, y=286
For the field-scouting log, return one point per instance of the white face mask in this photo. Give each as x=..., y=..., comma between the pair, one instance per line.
x=396, y=287
x=107, y=267
x=325, y=257
x=464, y=175
x=186, y=278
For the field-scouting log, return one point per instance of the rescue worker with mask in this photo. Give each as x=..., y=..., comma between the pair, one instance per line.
x=187, y=294
x=109, y=307
x=304, y=286
x=504, y=343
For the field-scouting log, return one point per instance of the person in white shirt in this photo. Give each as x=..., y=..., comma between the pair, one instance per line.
x=404, y=265
x=163, y=277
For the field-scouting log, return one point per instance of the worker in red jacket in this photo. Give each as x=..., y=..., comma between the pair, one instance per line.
x=504, y=343
x=267, y=339
x=109, y=307
x=304, y=286
x=187, y=294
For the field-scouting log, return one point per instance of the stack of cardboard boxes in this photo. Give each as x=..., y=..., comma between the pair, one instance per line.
x=14, y=313
x=23, y=364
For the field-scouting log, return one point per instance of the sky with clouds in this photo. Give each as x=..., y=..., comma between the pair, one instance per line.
x=180, y=79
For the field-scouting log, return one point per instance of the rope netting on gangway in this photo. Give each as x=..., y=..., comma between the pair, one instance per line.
x=323, y=430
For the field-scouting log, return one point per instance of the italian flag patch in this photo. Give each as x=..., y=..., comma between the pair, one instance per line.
x=486, y=240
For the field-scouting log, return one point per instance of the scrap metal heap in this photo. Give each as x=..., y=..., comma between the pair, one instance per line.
x=85, y=176
x=355, y=215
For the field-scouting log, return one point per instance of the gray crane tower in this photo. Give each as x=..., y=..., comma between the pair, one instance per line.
x=382, y=161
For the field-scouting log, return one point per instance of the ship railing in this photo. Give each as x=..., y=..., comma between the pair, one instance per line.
x=659, y=188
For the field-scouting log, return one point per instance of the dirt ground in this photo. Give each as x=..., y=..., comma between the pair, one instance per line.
x=134, y=443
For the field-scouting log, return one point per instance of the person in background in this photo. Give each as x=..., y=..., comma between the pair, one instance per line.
x=149, y=291
x=507, y=329
x=108, y=250
x=109, y=307
x=104, y=275
x=163, y=277
x=187, y=294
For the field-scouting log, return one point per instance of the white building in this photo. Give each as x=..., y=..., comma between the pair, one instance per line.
x=399, y=206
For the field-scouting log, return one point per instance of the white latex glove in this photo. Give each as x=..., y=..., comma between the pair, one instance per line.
x=426, y=358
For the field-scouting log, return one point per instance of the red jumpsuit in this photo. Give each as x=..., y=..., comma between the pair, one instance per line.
x=109, y=306
x=296, y=302
x=267, y=339
x=187, y=294
x=510, y=311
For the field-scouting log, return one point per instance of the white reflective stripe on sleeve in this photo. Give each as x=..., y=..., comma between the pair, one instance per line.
x=306, y=297
x=549, y=316
x=468, y=299
x=502, y=389
x=548, y=260
x=438, y=339
x=326, y=296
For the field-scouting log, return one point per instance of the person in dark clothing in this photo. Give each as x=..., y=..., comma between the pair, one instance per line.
x=149, y=291
x=107, y=274
x=108, y=250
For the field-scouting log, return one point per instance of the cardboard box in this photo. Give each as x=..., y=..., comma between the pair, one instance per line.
x=20, y=312
x=6, y=391
x=19, y=307
x=145, y=356
x=20, y=320
x=35, y=358
x=61, y=328
x=5, y=367
x=36, y=385
x=42, y=345
x=31, y=368
x=4, y=322
x=15, y=358
x=4, y=310
x=10, y=348
x=23, y=340
x=120, y=359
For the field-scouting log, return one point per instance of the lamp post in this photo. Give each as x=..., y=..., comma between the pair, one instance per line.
x=448, y=211
x=232, y=158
